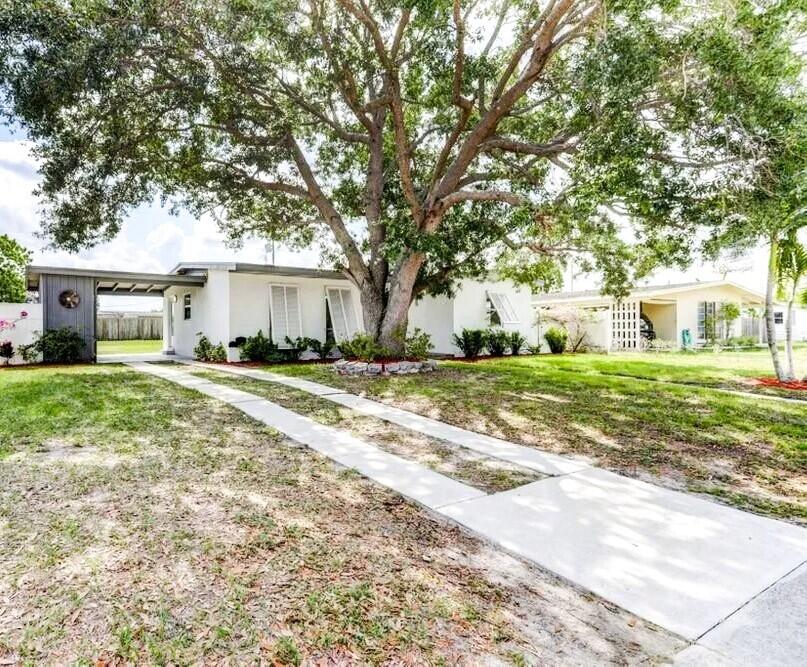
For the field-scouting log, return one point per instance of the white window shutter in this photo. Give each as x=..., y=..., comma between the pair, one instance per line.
x=507, y=314
x=285, y=311
x=294, y=327
x=337, y=314
x=279, y=323
x=343, y=313
x=350, y=313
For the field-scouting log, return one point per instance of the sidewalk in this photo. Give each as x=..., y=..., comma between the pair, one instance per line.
x=682, y=562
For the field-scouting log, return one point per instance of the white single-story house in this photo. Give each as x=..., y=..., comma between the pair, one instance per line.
x=670, y=313
x=228, y=301
x=236, y=300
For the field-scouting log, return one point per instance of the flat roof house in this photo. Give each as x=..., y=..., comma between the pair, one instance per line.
x=225, y=301
x=239, y=299
x=665, y=312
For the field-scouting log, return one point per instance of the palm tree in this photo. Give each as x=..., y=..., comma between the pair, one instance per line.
x=791, y=267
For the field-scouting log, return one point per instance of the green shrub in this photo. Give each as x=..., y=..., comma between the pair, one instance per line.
x=203, y=348
x=30, y=353
x=471, y=342
x=497, y=341
x=320, y=348
x=60, y=346
x=742, y=341
x=418, y=345
x=556, y=339
x=6, y=350
x=218, y=353
x=257, y=348
x=363, y=347
x=206, y=351
x=535, y=349
x=517, y=341
x=296, y=347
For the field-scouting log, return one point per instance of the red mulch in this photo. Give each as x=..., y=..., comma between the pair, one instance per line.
x=773, y=382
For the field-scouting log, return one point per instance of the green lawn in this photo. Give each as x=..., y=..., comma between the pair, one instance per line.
x=729, y=370
x=128, y=346
x=143, y=523
x=750, y=452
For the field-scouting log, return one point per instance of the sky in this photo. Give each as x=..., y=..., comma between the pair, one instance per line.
x=153, y=240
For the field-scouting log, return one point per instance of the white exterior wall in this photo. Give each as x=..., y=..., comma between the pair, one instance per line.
x=471, y=312
x=25, y=329
x=185, y=330
x=237, y=304
x=687, y=308
x=249, y=303
x=598, y=332
x=799, y=323
x=434, y=315
x=662, y=315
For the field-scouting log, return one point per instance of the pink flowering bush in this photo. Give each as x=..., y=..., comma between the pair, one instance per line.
x=5, y=325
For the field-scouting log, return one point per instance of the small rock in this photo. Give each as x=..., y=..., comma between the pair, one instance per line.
x=393, y=367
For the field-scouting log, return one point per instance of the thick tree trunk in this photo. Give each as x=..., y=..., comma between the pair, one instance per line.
x=372, y=308
x=791, y=367
x=396, y=313
x=770, y=324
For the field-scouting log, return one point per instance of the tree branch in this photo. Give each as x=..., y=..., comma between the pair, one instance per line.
x=357, y=267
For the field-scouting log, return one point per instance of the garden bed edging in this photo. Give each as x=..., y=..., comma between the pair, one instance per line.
x=387, y=368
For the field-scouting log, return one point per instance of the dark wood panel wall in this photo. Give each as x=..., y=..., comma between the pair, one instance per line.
x=82, y=318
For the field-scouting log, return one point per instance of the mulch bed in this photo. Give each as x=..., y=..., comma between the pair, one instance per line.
x=773, y=382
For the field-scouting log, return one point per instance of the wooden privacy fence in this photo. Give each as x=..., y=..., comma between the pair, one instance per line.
x=129, y=326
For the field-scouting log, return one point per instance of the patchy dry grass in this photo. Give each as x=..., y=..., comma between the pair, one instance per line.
x=143, y=523
x=483, y=472
x=751, y=453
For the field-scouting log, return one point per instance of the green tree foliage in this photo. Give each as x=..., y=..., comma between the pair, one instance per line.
x=792, y=271
x=13, y=260
x=764, y=94
x=418, y=142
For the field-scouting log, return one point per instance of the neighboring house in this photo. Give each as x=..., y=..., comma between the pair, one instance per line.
x=665, y=312
x=236, y=300
x=226, y=301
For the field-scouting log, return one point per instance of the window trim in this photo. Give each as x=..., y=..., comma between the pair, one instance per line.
x=505, y=305
x=187, y=311
x=282, y=343
x=340, y=289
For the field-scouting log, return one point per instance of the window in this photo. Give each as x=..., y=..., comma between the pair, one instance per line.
x=778, y=317
x=343, y=313
x=502, y=308
x=707, y=320
x=186, y=306
x=284, y=306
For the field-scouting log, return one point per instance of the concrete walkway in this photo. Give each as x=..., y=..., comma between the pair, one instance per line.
x=410, y=479
x=527, y=457
x=132, y=358
x=695, y=567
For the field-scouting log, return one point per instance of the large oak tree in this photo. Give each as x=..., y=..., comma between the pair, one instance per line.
x=419, y=141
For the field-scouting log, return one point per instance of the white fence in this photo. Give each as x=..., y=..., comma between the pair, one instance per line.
x=23, y=327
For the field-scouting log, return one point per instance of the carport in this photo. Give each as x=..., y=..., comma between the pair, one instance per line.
x=68, y=296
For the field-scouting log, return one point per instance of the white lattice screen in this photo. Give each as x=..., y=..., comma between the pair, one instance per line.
x=625, y=325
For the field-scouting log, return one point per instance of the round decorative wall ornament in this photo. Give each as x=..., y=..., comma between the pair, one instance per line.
x=69, y=298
